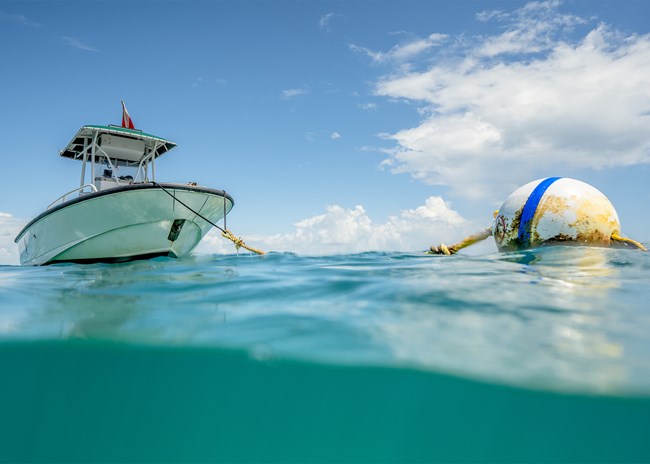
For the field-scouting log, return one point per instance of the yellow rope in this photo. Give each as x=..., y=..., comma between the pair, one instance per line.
x=618, y=238
x=442, y=249
x=239, y=243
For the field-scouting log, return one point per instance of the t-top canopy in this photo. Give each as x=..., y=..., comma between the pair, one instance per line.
x=126, y=146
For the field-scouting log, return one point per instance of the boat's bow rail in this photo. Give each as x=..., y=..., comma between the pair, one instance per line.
x=126, y=222
x=63, y=198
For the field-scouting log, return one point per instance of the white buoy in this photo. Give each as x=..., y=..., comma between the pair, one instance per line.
x=555, y=210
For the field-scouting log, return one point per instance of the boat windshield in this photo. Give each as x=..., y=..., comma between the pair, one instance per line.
x=111, y=174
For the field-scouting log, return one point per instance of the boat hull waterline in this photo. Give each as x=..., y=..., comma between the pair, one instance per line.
x=130, y=222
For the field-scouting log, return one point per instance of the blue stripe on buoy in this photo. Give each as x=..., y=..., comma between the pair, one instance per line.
x=530, y=207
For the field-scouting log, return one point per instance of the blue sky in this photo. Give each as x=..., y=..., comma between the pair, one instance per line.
x=336, y=126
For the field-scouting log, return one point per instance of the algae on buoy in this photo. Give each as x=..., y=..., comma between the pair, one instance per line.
x=551, y=211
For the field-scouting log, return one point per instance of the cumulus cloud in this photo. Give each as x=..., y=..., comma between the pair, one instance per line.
x=9, y=228
x=335, y=136
x=527, y=101
x=350, y=230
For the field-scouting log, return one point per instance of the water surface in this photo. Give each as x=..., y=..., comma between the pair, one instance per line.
x=529, y=356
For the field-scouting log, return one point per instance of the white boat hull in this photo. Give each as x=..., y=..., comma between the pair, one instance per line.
x=132, y=222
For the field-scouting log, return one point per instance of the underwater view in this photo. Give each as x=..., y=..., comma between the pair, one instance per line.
x=343, y=138
x=535, y=356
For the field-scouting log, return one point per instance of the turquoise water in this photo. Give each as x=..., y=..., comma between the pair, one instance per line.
x=531, y=356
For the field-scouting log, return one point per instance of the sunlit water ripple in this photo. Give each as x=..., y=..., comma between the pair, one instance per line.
x=560, y=319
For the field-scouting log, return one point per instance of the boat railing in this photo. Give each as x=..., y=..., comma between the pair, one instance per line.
x=63, y=197
x=140, y=173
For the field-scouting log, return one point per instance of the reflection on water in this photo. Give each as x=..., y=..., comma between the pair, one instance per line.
x=148, y=299
x=563, y=318
x=545, y=317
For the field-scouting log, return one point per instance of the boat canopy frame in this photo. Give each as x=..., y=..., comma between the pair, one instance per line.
x=116, y=146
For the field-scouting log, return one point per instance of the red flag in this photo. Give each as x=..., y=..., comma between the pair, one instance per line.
x=126, y=119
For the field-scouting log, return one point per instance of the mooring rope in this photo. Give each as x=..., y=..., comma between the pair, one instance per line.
x=617, y=238
x=443, y=249
x=239, y=243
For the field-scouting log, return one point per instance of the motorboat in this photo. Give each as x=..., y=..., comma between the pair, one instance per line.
x=120, y=212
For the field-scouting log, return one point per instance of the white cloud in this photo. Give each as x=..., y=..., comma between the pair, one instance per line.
x=290, y=93
x=335, y=136
x=368, y=106
x=76, y=43
x=484, y=16
x=556, y=104
x=18, y=19
x=202, y=80
x=9, y=228
x=325, y=20
x=403, y=52
x=532, y=28
x=340, y=230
